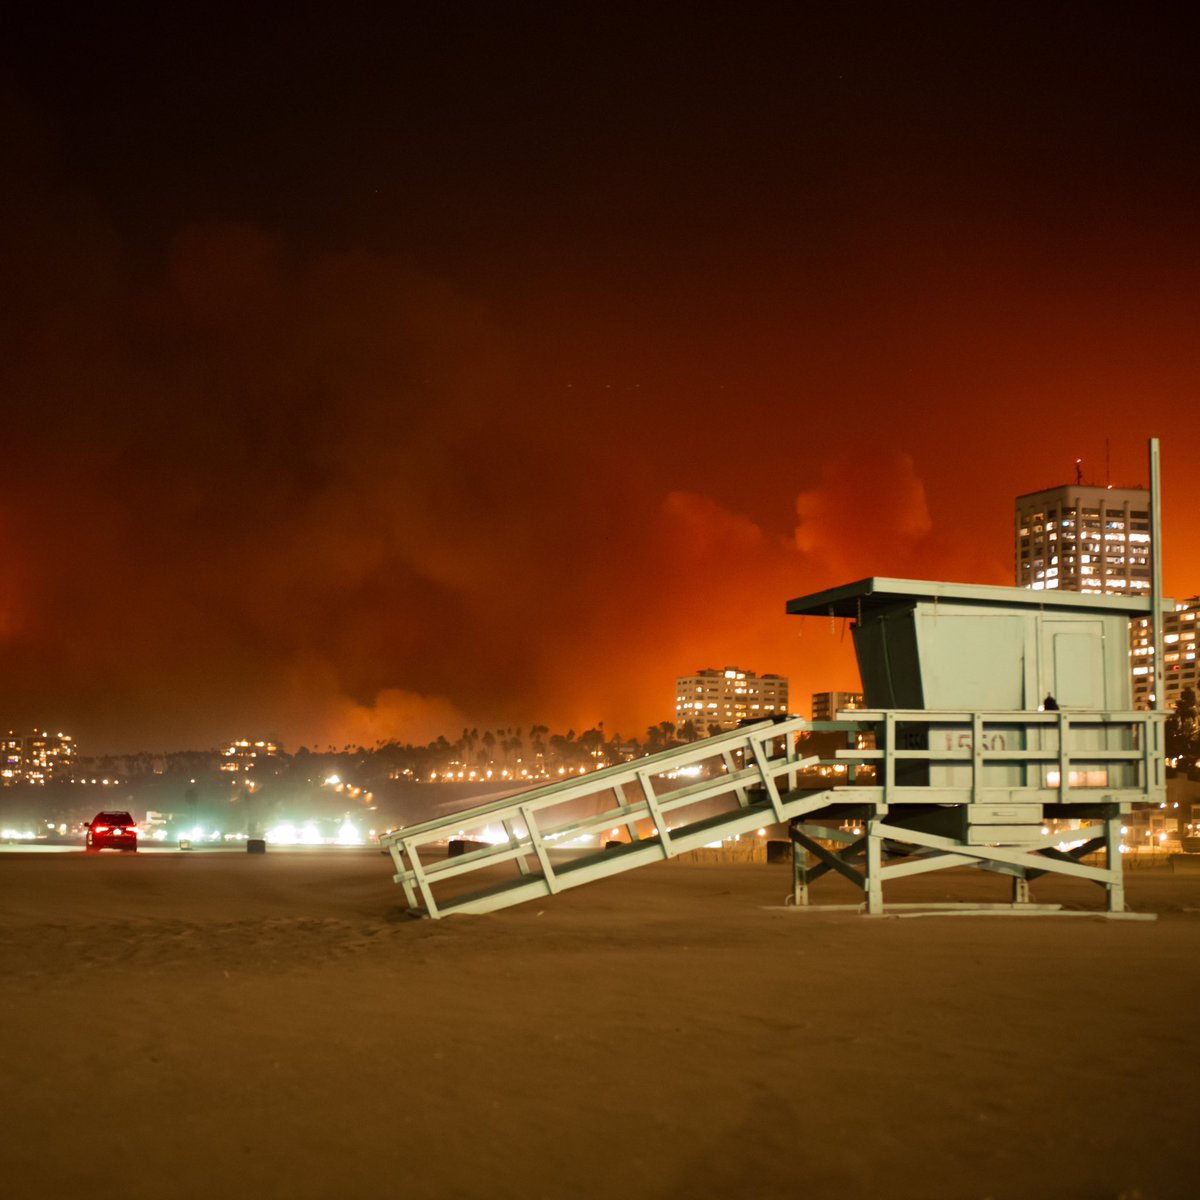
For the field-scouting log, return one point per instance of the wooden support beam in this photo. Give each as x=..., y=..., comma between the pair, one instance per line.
x=832, y=861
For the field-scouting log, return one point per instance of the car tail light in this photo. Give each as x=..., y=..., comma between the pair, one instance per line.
x=99, y=828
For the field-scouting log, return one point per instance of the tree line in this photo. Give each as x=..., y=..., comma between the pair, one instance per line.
x=513, y=749
x=1183, y=732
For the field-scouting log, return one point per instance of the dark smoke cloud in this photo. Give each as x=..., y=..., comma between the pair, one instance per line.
x=261, y=484
x=304, y=492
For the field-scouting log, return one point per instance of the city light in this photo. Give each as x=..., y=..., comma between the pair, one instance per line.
x=348, y=835
x=283, y=834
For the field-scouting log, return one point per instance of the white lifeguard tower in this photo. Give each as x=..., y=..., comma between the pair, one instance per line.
x=998, y=733
x=999, y=736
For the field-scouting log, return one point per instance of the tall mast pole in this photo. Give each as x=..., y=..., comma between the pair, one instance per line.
x=1156, y=585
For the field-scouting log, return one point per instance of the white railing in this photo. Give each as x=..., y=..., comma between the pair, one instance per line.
x=1075, y=756
x=584, y=828
x=1004, y=771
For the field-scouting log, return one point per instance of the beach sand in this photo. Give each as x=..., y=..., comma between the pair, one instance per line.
x=222, y=1024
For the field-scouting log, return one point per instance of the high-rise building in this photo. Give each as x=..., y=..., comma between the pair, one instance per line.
x=713, y=699
x=827, y=705
x=1179, y=654
x=1082, y=538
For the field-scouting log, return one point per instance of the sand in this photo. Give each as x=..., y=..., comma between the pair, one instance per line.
x=224, y=1024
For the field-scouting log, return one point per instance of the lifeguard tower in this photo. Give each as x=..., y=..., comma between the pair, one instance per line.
x=959, y=760
x=999, y=734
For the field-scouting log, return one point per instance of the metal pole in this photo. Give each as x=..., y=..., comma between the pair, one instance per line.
x=1156, y=586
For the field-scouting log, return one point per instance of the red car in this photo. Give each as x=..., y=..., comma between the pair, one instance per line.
x=112, y=831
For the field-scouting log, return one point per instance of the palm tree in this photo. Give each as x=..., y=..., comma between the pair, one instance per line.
x=591, y=743
x=1183, y=727
x=511, y=746
x=536, y=735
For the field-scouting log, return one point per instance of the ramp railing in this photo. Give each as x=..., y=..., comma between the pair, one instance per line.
x=579, y=829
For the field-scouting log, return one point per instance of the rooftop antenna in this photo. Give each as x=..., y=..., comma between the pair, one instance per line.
x=1078, y=471
x=1107, y=466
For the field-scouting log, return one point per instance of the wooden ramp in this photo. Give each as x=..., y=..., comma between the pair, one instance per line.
x=536, y=843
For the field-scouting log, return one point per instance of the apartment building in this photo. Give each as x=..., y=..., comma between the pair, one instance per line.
x=1081, y=538
x=827, y=705
x=713, y=699
x=36, y=757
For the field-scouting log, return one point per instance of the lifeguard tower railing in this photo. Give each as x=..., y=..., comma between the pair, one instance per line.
x=1023, y=794
x=588, y=827
x=1060, y=757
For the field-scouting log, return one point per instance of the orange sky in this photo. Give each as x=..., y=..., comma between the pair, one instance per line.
x=344, y=403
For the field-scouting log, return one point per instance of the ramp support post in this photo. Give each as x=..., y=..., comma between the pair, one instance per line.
x=799, y=871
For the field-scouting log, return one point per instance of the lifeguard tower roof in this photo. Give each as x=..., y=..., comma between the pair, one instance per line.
x=925, y=644
x=867, y=595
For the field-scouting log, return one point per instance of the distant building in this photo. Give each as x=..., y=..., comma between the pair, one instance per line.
x=37, y=757
x=245, y=755
x=721, y=699
x=1179, y=654
x=11, y=757
x=827, y=705
x=1082, y=538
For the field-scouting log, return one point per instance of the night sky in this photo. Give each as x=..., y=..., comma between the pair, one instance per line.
x=369, y=371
